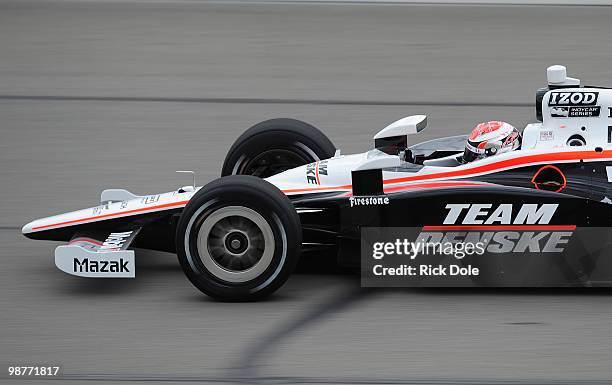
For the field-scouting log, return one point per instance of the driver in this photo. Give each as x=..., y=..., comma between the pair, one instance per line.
x=489, y=139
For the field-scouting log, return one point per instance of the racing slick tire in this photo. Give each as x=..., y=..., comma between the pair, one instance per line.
x=276, y=145
x=238, y=238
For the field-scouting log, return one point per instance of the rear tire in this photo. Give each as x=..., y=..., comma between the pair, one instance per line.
x=238, y=239
x=276, y=145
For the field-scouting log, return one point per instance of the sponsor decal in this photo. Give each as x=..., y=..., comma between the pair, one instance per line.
x=315, y=170
x=574, y=104
x=116, y=241
x=106, y=261
x=504, y=241
x=559, y=112
x=575, y=112
x=323, y=167
x=573, y=98
x=86, y=265
x=546, y=135
x=311, y=173
x=369, y=201
x=483, y=213
x=150, y=199
x=502, y=228
x=99, y=209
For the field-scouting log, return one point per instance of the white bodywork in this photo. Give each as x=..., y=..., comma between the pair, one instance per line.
x=112, y=210
x=558, y=127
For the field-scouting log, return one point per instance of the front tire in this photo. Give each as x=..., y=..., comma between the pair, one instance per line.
x=276, y=145
x=238, y=239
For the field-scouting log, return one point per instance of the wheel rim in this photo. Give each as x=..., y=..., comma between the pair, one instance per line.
x=272, y=162
x=235, y=244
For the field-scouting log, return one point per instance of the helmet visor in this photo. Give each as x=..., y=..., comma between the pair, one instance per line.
x=472, y=152
x=469, y=156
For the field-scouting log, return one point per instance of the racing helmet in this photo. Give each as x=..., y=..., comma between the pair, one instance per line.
x=489, y=139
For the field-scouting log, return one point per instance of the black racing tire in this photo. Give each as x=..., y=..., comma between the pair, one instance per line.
x=238, y=239
x=276, y=145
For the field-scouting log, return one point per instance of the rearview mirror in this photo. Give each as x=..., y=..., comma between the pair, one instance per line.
x=405, y=126
x=394, y=138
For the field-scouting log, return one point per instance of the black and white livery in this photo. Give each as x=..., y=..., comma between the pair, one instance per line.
x=285, y=190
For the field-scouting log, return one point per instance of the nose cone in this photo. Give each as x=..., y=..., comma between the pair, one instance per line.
x=29, y=229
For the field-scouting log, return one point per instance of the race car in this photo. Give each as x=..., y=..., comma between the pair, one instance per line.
x=285, y=188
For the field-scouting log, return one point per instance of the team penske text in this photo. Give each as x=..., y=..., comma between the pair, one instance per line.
x=501, y=228
x=479, y=228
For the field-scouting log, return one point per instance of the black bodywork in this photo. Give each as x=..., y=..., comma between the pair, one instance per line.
x=581, y=190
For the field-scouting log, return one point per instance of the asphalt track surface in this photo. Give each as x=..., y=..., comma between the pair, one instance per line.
x=121, y=94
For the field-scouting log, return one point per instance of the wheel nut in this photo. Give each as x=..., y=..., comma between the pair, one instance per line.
x=235, y=243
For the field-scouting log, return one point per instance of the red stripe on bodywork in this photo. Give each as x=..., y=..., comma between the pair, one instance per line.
x=435, y=185
x=311, y=189
x=110, y=215
x=539, y=158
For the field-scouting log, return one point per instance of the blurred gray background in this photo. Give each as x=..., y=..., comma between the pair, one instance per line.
x=99, y=94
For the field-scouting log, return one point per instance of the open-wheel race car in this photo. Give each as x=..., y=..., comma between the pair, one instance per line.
x=285, y=188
